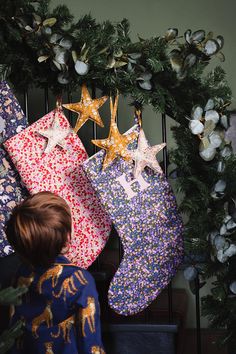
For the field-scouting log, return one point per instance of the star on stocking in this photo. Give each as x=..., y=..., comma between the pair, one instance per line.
x=87, y=108
x=56, y=135
x=145, y=155
x=116, y=143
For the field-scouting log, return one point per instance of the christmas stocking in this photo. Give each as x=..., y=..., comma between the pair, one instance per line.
x=143, y=210
x=48, y=156
x=12, y=121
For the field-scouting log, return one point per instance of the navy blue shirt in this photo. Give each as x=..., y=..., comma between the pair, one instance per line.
x=60, y=311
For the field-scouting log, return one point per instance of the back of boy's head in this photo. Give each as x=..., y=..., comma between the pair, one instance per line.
x=39, y=228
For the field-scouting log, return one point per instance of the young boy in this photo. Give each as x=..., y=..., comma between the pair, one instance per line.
x=61, y=309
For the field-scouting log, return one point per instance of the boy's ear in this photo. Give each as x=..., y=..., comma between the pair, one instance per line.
x=66, y=248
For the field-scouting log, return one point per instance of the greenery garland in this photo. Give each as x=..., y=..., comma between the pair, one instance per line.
x=48, y=49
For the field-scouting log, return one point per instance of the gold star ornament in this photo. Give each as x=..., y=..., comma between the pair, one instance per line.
x=145, y=155
x=87, y=108
x=116, y=143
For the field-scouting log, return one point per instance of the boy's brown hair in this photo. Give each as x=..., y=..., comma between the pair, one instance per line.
x=39, y=228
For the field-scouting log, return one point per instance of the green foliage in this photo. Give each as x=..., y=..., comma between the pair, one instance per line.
x=8, y=337
x=11, y=296
x=46, y=48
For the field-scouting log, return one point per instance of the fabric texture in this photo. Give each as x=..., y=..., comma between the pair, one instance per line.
x=60, y=311
x=60, y=171
x=12, y=121
x=145, y=216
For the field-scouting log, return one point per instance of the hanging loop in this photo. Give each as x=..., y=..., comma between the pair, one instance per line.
x=59, y=103
x=138, y=117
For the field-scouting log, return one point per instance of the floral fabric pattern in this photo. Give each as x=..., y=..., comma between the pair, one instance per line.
x=12, y=121
x=60, y=171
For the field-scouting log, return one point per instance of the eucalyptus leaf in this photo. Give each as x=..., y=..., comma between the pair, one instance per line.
x=197, y=112
x=28, y=28
x=220, y=41
x=226, y=152
x=211, y=47
x=220, y=186
x=81, y=68
x=57, y=65
x=210, y=104
x=221, y=256
x=43, y=58
x=190, y=273
x=223, y=230
x=130, y=68
x=111, y=63
x=132, y=61
x=135, y=56
x=219, y=242
x=37, y=18
x=62, y=56
x=231, y=251
x=118, y=53
x=215, y=140
x=65, y=43
x=187, y=36
x=171, y=34
x=231, y=225
x=190, y=60
x=209, y=126
x=224, y=121
x=47, y=30
x=196, y=127
x=232, y=208
x=205, y=141
x=232, y=287
x=63, y=78
x=55, y=37
x=198, y=36
x=145, y=77
x=146, y=85
x=220, y=167
x=212, y=115
x=74, y=56
x=119, y=64
x=208, y=154
x=50, y=22
x=212, y=236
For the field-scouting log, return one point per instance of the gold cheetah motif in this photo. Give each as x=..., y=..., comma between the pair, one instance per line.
x=53, y=273
x=88, y=313
x=65, y=328
x=48, y=347
x=97, y=350
x=81, y=278
x=68, y=285
x=45, y=316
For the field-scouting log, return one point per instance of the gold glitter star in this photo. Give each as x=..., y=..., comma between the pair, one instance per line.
x=145, y=155
x=56, y=135
x=87, y=108
x=116, y=143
